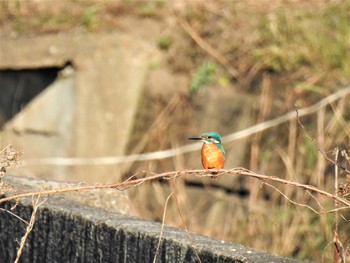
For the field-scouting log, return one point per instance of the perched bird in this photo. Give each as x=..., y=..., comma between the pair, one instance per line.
x=213, y=153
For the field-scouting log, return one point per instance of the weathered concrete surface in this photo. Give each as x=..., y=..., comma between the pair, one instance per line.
x=109, y=72
x=110, y=199
x=71, y=232
x=44, y=127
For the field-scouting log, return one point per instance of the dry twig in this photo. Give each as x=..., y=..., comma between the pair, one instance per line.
x=9, y=158
x=183, y=220
x=176, y=174
x=162, y=227
x=30, y=225
x=338, y=247
x=209, y=49
x=318, y=147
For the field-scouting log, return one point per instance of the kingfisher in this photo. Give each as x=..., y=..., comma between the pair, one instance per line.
x=213, y=152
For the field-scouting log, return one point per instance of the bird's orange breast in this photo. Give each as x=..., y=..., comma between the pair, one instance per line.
x=212, y=156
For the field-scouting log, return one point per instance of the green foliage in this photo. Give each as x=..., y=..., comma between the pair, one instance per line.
x=49, y=21
x=150, y=8
x=164, y=42
x=11, y=11
x=203, y=77
x=90, y=18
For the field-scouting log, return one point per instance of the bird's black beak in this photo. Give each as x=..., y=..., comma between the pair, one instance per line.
x=195, y=138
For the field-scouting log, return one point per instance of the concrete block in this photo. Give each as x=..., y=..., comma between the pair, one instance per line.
x=109, y=70
x=71, y=232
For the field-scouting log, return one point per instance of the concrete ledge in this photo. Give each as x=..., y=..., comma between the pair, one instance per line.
x=67, y=231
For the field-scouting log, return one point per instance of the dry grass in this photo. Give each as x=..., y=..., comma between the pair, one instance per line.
x=30, y=224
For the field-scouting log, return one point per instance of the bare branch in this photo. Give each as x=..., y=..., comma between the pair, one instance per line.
x=36, y=205
x=175, y=174
x=162, y=227
x=290, y=200
x=13, y=214
x=317, y=146
x=209, y=49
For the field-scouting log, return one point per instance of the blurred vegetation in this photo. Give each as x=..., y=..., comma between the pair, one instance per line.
x=90, y=18
x=203, y=77
x=290, y=40
x=164, y=42
x=303, y=47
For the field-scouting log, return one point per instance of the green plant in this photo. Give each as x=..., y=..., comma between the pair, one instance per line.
x=49, y=21
x=203, y=77
x=90, y=18
x=164, y=42
x=150, y=8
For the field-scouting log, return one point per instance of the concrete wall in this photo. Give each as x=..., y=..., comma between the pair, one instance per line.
x=67, y=231
x=89, y=113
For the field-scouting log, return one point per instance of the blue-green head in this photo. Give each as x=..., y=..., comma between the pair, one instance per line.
x=210, y=137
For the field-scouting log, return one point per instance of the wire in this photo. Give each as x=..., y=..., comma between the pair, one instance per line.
x=110, y=160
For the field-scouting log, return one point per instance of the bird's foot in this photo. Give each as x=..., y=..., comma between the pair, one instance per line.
x=214, y=173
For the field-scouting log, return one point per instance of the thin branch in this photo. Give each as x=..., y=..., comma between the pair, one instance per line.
x=338, y=247
x=209, y=49
x=290, y=200
x=316, y=200
x=162, y=227
x=13, y=214
x=172, y=174
x=317, y=146
x=183, y=220
x=36, y=205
